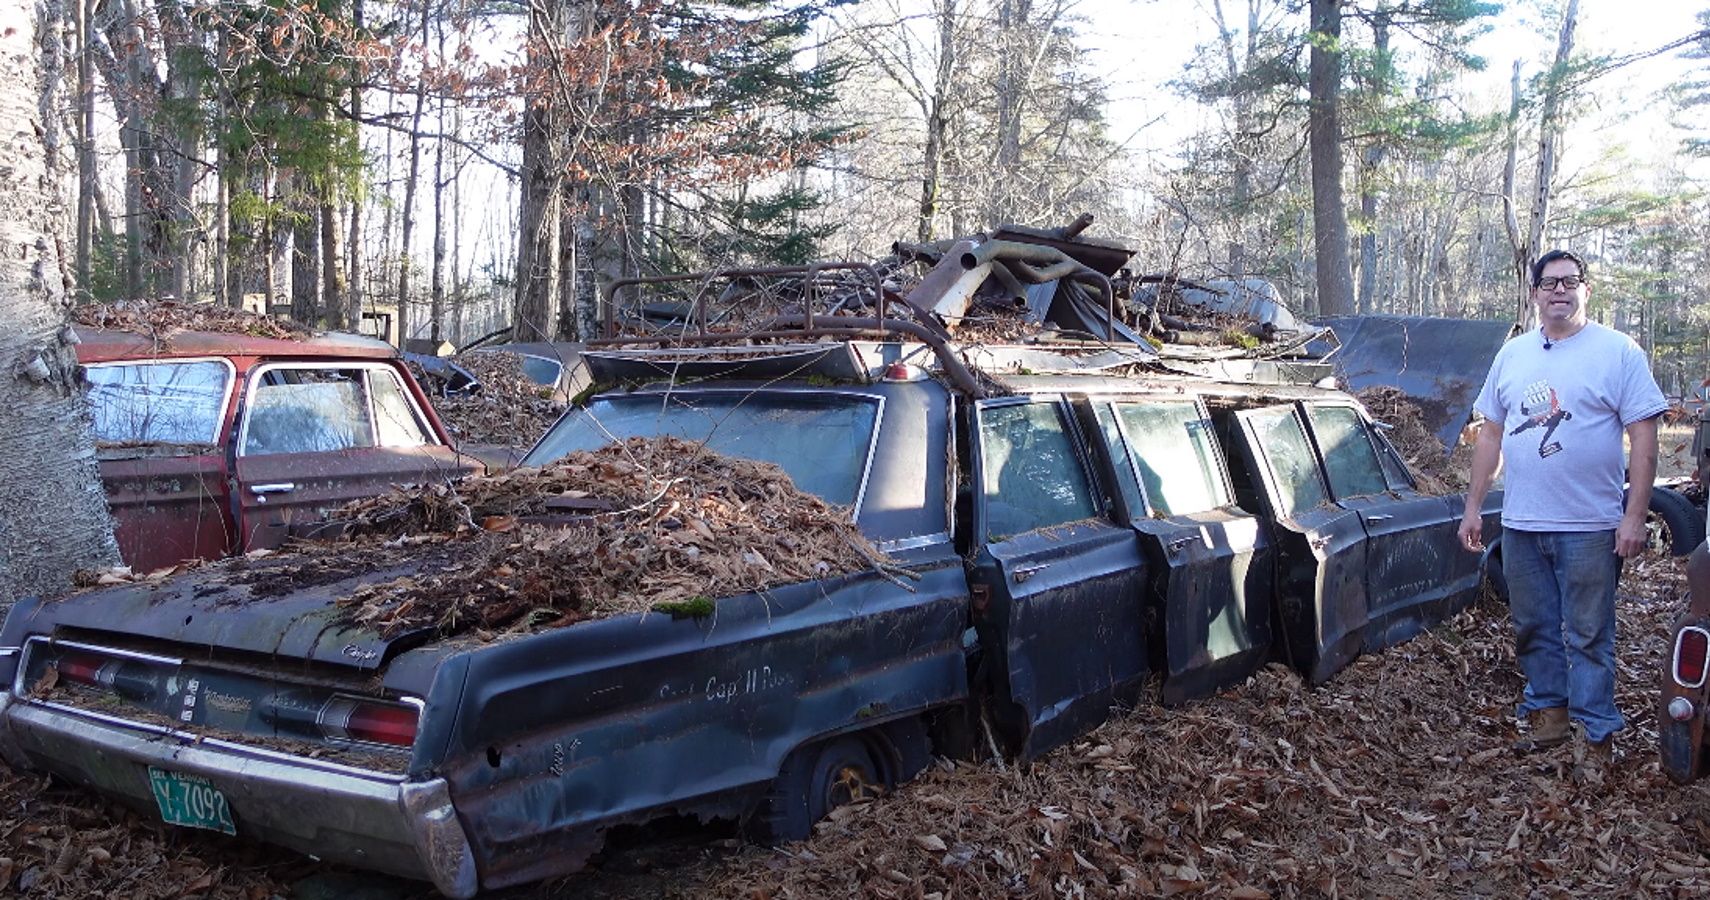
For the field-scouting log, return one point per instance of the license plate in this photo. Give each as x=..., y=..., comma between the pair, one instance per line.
x=190, y=800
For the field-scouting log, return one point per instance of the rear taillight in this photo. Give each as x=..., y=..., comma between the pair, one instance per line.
x=347, y=718
x=84, y=668
x=1691, y=656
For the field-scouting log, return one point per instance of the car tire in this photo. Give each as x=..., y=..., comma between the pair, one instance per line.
x=1676, y=525
x=813, y=781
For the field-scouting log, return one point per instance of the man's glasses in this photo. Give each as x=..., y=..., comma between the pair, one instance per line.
x=1548, y=283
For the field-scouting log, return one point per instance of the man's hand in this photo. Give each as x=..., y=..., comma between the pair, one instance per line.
x=1472, y=531
x=1630, y=537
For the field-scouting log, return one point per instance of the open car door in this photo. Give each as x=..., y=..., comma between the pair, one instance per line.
x=1321, y=547
x=1057, y=587
x=314, y=436
x=1211, y=563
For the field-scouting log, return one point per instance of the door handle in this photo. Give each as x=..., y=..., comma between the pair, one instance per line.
x=278, y=487
x=1380, y=517
x=1022, y=573
x=1181, y=542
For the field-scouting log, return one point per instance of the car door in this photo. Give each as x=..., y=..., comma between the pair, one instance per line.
x=314, y=436
x=1321, y=547
x=1212, y=567
x=1417, y=573
x=158, y=425
x=1056, y=586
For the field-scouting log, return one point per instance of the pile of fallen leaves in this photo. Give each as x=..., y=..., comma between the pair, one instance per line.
x=508, y=408
x=644, y=524
x=1436, y=470
x=161, y=318
x=1394, y=779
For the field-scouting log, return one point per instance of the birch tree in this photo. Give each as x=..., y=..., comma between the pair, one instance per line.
x=56, y=515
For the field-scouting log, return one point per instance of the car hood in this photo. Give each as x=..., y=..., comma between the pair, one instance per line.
x=211, y=608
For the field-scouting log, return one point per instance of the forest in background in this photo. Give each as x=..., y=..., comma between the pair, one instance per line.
x=491, y=162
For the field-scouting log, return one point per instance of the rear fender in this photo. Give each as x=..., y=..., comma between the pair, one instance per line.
x=1680, y=744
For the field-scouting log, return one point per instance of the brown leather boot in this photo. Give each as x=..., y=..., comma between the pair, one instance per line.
x=1546, y=728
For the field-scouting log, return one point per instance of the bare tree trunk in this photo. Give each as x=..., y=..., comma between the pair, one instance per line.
x=353, y=244
x=410, y=183
x=1370, y=160
x=1011, y=88
x=437, y=275
x=305, y=252
x=538, y=265
x=56, y=514
x=223, y=294
x=1554, y=91
x=459, y=299
x=1520, y=253
x=130, y=138
x=1329, y=216
x=937, y=120
x=83, y=10
x=332, y=278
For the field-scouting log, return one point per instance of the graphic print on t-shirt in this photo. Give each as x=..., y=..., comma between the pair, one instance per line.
x=1542, y=410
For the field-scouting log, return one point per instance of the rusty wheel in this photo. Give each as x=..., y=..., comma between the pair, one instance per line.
x=814, y=781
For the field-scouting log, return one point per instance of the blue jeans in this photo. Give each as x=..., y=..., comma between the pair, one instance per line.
x=1561, y=595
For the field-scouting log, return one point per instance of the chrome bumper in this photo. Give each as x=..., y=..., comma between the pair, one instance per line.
x=366, y=819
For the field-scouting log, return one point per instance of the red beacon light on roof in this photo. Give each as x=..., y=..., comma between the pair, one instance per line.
x=901, y=371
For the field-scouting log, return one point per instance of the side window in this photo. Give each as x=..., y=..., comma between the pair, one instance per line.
x=1283, y=443
x=394, y=418
x=1032, y=475
x=1173, y=450
x=307, y=410
x=1117, y=446
x=312, y=409
x=158, y=403
x=1349, y=455
x=1394, y=469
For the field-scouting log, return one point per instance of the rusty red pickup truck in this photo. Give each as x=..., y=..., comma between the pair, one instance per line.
x=218, y=444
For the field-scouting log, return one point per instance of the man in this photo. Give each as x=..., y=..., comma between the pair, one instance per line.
x=1555, y=404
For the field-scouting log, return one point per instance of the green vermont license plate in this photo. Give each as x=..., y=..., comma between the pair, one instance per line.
x=190, y=800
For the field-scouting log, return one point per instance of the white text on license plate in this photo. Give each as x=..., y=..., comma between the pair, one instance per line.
x=190, y=800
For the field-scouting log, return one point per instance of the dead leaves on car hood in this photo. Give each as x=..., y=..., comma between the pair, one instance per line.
x=163, y=317
x=1437, y=471
x=508, y=409
x=643, y=525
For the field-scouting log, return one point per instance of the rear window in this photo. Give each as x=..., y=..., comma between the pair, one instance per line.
x=822, y=441
x=158, y=402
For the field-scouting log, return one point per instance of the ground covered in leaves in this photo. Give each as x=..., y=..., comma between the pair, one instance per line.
x=1393, y=780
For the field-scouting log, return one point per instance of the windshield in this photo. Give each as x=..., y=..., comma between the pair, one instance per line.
x=821, y=440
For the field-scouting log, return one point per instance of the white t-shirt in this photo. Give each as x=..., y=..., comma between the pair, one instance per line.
x=1563, y=410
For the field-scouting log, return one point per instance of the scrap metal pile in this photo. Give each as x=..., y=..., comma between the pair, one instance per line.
x=645, y=525
x=1012, y=284
x=1395, y=780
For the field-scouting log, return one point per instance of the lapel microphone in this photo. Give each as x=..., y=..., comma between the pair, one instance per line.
x=1548, y=343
